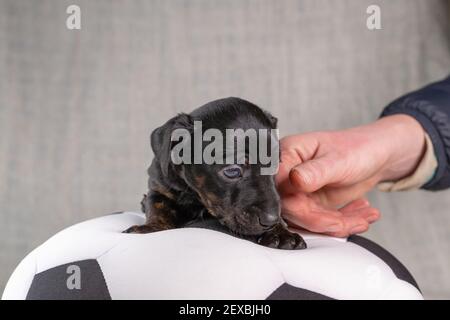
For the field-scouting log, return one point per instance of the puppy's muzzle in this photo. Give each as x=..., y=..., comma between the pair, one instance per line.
x=269, y=220
x=267, y=217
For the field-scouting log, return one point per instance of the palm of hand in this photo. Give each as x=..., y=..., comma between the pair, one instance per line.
x=314, y=198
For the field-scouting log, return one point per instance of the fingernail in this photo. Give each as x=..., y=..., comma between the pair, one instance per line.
x=334, y=227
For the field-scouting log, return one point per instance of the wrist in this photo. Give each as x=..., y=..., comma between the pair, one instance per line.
x=403, y=139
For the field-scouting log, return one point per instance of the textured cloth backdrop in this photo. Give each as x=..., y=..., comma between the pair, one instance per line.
x=77, y=107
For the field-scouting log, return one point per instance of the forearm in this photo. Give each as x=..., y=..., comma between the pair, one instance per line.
x=385, y=150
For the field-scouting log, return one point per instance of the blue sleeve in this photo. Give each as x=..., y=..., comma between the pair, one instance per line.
x=431, y=107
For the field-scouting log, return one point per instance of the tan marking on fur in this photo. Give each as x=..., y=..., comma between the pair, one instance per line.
x=199, y=181
x=209, y=200
x=211, y=211
x=211, y=197
x=158, y=205
x=164, y=192
x=159, y=223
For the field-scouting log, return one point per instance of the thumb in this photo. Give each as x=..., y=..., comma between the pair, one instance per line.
x=312, y=175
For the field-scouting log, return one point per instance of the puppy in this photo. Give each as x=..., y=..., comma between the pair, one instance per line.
x=237, y=195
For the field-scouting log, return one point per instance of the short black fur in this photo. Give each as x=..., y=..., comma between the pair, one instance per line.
x=180, y=194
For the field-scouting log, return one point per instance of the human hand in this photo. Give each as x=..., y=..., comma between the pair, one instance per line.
x=323, y=176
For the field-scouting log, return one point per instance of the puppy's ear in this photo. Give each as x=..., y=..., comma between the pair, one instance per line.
x=272, y=119
x=160, y=139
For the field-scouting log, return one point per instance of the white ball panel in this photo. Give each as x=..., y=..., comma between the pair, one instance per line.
x=400, y=290
x=341, y=271
x=85, y=240
x=20, y=281
x=188, y=263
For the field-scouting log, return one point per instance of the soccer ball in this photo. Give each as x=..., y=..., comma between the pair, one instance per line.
x=94, y=260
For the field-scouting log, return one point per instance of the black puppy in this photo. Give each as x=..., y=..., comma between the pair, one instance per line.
x=242, y=199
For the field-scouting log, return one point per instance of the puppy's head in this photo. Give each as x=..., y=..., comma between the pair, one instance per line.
x=235, y=192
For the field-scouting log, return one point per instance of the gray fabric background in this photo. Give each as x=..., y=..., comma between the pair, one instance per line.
x=77, y=107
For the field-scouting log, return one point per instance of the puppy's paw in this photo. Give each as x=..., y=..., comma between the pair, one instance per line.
x=281, y=238
x=140, y=229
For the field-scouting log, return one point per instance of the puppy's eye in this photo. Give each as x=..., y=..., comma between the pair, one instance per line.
x=234, y=172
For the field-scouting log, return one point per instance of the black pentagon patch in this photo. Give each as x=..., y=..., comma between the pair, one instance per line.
x=288, y=292
x=58, y=283
x=397, y=267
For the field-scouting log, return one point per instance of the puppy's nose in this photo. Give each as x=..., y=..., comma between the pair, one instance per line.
x=269, y=219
